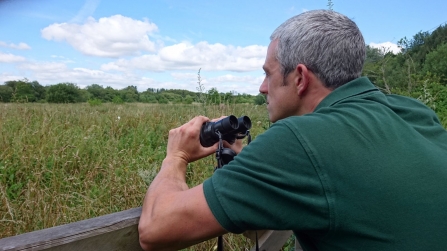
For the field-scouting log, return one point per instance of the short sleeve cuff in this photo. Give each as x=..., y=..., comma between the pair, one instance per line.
x=216, y=208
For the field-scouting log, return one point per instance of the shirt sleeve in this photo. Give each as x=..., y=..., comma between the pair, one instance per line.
x=271, y=184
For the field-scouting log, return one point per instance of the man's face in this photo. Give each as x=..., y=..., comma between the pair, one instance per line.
x=281, y=94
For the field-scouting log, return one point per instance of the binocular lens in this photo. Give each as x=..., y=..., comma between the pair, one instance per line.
x=208, y=136
x=244, y=124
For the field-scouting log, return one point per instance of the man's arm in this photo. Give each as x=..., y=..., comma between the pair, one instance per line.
x=174, y=216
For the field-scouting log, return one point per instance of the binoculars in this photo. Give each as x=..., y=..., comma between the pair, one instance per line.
x=229, y=128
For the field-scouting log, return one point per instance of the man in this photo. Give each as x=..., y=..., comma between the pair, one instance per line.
x=344, y=166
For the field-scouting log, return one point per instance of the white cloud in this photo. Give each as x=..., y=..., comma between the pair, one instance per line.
x=184, y=75
x=8, y=77
x=186, y=56
x=55, y=72
x=50, y=73
x=240, y=84
x=45, y=67
x=20, y=46
x=62, y=59
x=10, y=58
x=386, y=47
x=113, y=36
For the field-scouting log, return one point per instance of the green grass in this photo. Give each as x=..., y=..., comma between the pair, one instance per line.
x=68, y=162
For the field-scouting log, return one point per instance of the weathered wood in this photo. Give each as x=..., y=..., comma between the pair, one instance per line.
x=270, y=240
x=117, y=231
x=297, y=245
x=112, y=232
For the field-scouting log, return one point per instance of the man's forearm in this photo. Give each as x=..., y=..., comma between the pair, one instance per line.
x=172, y=177
x=158, y=202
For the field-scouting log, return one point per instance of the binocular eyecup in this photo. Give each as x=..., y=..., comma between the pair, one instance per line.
x=229, y=127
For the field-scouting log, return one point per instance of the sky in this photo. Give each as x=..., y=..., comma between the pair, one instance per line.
x=165, y=43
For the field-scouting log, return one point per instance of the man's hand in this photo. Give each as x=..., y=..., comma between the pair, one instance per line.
x=184, y=143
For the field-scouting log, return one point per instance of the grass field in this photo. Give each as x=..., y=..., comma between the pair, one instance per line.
x=68, y=162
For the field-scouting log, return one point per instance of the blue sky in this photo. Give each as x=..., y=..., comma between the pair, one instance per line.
x=163, y=43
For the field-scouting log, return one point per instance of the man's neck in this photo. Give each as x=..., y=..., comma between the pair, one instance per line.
x=314, y=94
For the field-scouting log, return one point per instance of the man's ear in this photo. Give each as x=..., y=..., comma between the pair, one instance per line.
x=302, y=79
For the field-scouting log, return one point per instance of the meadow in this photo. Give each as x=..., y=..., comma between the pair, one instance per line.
x=61, y=163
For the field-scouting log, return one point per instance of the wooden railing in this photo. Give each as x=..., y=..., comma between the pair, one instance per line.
x=112, y=232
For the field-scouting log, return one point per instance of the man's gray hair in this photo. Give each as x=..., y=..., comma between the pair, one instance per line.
x=326, y=42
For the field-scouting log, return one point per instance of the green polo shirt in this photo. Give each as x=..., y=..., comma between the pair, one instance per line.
x=364, y=171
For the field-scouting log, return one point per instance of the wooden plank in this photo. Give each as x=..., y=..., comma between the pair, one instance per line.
x=117, y=231
x=267, y=236
x=272, y=240
x=297, y=245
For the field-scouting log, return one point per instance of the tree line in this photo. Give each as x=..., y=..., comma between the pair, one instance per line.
x=419, y=70
x=24, y=91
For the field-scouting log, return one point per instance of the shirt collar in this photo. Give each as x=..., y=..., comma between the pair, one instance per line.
x=353, y=88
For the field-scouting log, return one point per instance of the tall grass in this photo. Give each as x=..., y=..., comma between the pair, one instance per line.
x=65, y=163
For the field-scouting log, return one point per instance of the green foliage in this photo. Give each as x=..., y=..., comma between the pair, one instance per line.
x=24, y=91
x=214, y=96
x=6, y=93
x=421, y=65
x=117, y=100
x=188, y=99
x=146, y=97
x=260, y=99
x=129, y=94
x=64, y=93
x=94, y=102
x=170, y=98
x=436, y=63
x=162, y=100
x=97, y=92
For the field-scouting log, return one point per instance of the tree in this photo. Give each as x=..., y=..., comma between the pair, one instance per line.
x=148, y=97
x=110, y=94
x=170, y=97
x=436, y=63
x=260, y=99
x=64, y=93
x=213, y=96
x=26, y=91
x=5, y=93
x=130, y=94
x=188, y=99
x=96, y=92
x=39, y=91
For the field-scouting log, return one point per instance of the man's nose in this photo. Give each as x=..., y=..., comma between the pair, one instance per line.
x=263, y=88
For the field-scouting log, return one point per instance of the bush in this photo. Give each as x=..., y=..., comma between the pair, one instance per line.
x=94, y=102
x=117, y=100
x=64, y=93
